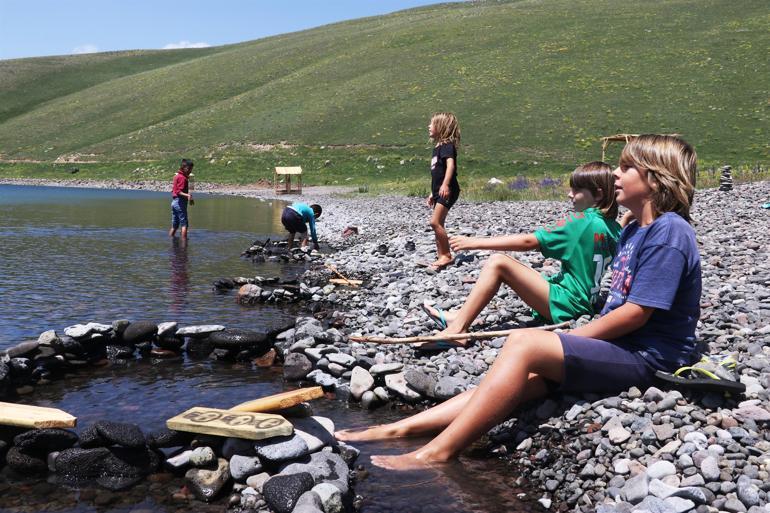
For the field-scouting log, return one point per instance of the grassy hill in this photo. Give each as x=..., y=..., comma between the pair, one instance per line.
x=534, y=84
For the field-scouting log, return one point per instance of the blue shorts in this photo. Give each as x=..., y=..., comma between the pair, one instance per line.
x=592, y=365
x=178, y=212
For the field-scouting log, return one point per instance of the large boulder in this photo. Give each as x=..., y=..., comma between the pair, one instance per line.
x=40, y=442
x=236, y=338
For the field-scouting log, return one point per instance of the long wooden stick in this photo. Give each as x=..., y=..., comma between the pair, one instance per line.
x=479, y=335
x=335, y=271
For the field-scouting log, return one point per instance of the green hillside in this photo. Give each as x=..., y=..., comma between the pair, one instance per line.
x=531, y=81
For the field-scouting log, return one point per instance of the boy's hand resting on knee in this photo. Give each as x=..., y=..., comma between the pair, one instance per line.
x=430, y=201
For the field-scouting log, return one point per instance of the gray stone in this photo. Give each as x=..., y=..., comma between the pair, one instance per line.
x=202, y=330
x=420, y=382
x=397, y=383
x=331, y=497
x=281, y=448
x=317, y=432
x=167, y=328
x=202, y=457
x=342, y=359
x=323, y=466
x=139, y=331
x=661, y=469
x=360, y=381
x=296, y=366
x=709, y=469
x=385, y=368
x=242, y=467
x=258, y=481
x=679, y=505
x=207, y=484
x=448, y=387
x=635, y=489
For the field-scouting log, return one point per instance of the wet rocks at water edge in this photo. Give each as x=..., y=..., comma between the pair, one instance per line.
x=118, y=455
x=52, y=355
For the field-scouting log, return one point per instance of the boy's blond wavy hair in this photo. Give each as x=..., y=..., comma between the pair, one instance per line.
x=446, y=128
x=671, y=166
x=596, y=176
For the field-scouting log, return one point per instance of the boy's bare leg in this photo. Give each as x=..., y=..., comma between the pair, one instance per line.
x=442, y=240
x=505, y=386
x=525, y=281
x=171, y=232
x=183, y=233
x=426, y=422
x=290, y=241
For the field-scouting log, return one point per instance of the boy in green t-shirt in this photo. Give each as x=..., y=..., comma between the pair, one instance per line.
x=584, y=242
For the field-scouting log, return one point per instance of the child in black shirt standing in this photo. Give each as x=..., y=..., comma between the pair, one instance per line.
x=444, y=131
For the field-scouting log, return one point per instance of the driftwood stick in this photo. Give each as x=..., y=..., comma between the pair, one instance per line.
x=478, y=335
x=335, y=271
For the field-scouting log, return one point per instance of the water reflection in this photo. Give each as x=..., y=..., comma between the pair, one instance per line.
x=179, y=285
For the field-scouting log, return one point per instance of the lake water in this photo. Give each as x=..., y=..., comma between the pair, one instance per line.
x=73, y=255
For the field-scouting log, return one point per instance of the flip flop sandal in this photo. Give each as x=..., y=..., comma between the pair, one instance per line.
x=701, y=378
x=439, y=319
x=438, y=346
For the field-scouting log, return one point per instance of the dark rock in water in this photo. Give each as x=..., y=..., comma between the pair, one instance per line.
x=126, y=462
x=40, y=442
x=3, y=450
x=224, y=284
x=24, y=463
x=296, y=366
x=323, y=466
x=144, y=347
x=199, y=347
x=24, y=349
x=282, y=491
x=119, y=352
x=67, y=344
x=120, y=433
x=118, y=483
x=222, y=355
x=168, y=438
x=171, y=343
x=81, y=463
x=20, y=370
x=52, y=364
x=206, y=484
x=5, y=372
x=119, y=327
x=90, y=438
x=139, y=331
x=235, y=338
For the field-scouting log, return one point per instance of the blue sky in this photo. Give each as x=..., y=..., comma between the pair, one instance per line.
x=32, y=28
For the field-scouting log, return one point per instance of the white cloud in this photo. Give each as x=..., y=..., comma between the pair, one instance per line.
x=85, y=49
x=185, y=44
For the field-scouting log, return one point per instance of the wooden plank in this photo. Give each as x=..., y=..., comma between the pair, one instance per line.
x=238, y=424
x=280, y=401
x=23, y=415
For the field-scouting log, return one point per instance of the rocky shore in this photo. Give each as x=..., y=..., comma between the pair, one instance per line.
x=644, y=450
x=657, y=450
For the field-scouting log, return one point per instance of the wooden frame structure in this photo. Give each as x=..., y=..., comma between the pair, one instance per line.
x=624, y=138
x=287, y=173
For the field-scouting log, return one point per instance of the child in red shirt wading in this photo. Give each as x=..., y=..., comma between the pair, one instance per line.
x=180, y=195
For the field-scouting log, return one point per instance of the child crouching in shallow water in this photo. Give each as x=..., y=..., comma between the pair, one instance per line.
x=584, y=242
x=648, y=322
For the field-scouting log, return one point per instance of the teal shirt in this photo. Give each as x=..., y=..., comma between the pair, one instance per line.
x=308, y=216
x=585, y=243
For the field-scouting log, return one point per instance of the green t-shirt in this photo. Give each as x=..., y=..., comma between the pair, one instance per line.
x=585, y=243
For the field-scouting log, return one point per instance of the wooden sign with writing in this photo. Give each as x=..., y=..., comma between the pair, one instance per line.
x=210, y=421
x=23, y=415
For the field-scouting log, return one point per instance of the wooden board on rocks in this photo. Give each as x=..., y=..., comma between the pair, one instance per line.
x=280, y=401
x=23, y=415
x=249, y=425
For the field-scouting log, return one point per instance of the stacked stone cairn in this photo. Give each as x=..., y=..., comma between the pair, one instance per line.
x=726, y=179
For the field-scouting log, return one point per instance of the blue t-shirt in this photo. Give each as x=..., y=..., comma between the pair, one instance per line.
x=307, y=215
x=659, y=266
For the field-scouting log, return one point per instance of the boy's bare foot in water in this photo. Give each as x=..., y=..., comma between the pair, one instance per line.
x=418, y=459
x=381, y=432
